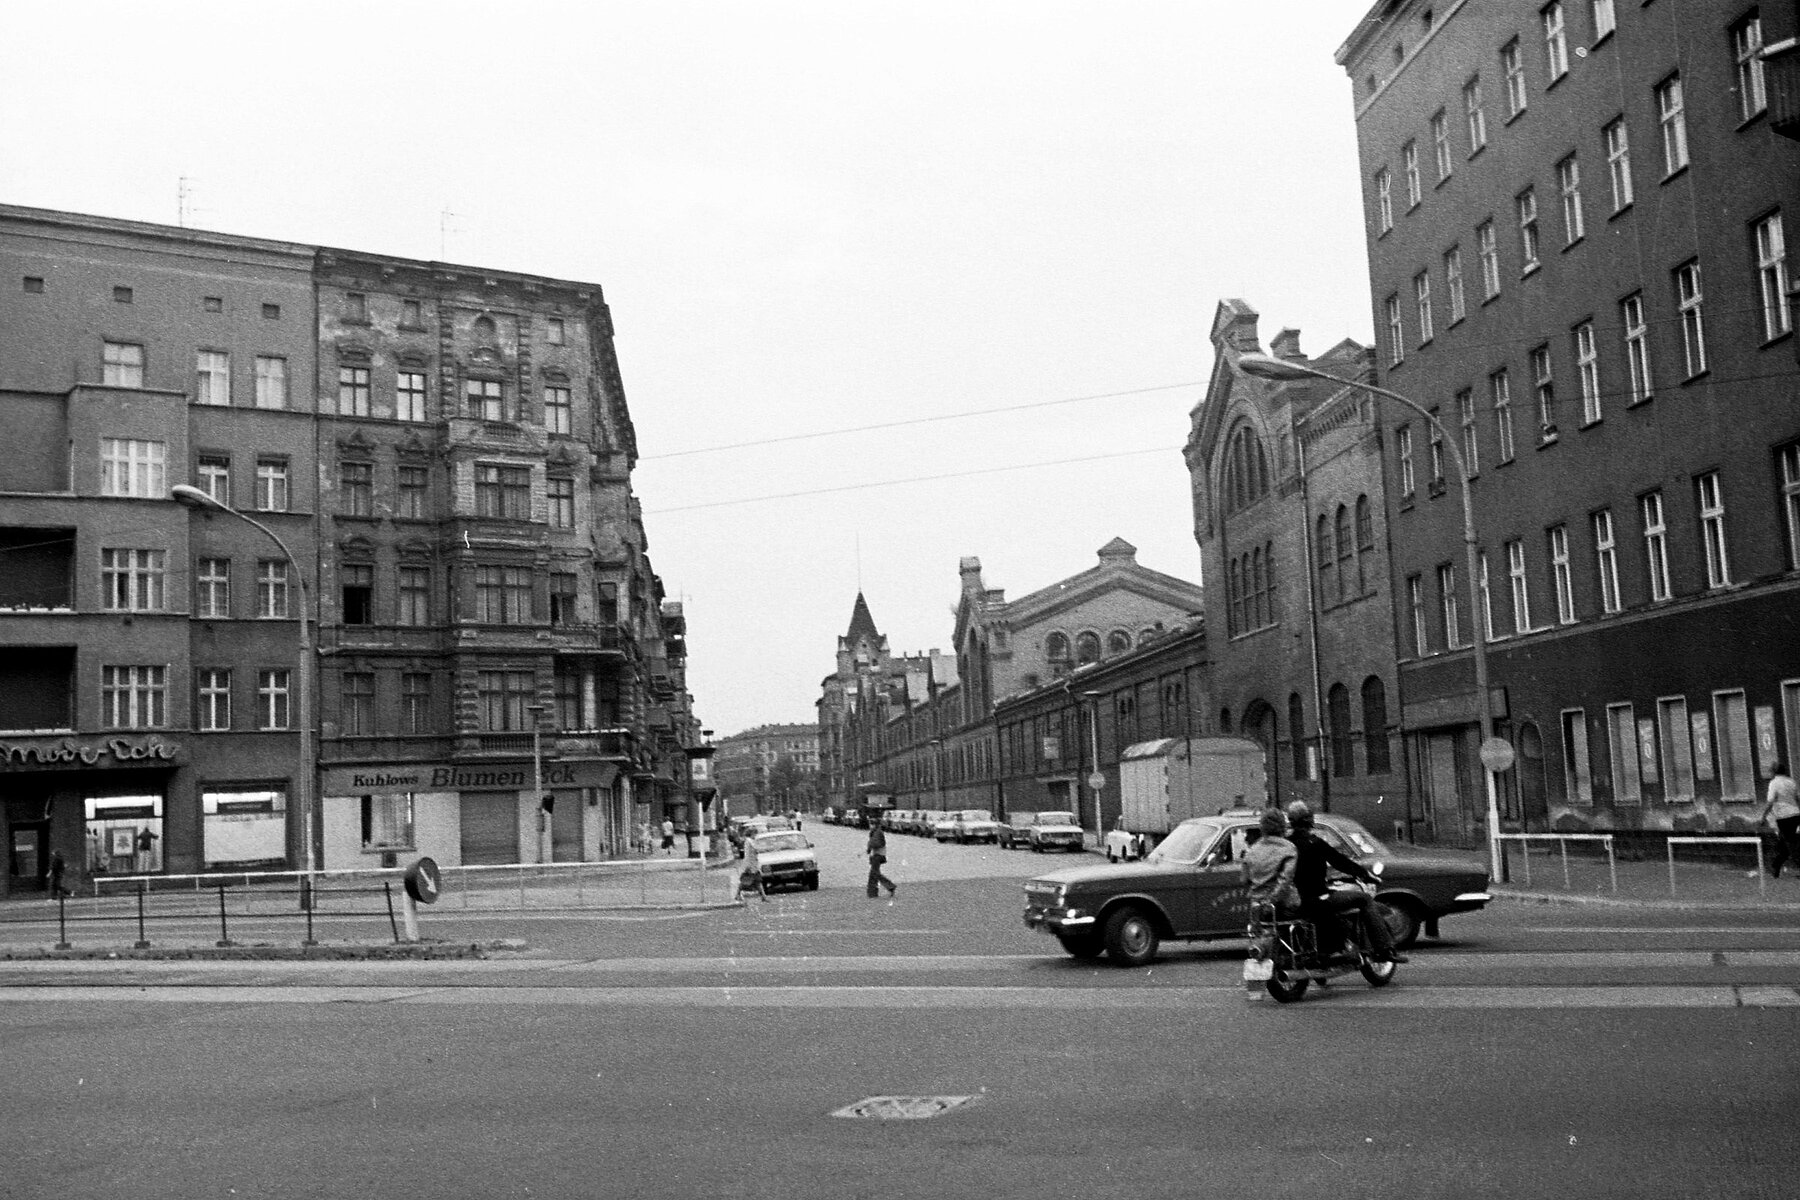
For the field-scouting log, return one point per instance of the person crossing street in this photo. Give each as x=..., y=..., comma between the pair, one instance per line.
x=877, y=851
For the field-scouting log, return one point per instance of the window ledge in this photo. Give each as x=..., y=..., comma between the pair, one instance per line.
x=1477, y=150
x=1587, y=425
x=1647, y=398
x=1697, y=376
x=1517, y=115
x=1620, y=211
x=1556, y=80
x=1602, y=40
x=1487, y=300
x=1568, y=246
x=1530, y=270
x=1753, y=119
x=1776, y=340
x=1548, y=440
x=1677, y=173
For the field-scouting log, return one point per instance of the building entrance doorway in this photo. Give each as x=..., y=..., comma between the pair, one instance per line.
x=28, y=857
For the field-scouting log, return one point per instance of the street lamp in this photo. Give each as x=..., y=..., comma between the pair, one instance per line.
x=545, y=805
x=1493, y=751
x=1096, y=777
x=193, y=497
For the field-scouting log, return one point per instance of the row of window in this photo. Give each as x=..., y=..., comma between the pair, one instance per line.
x=33, y=285
x=137, y=697
x=1087, y=646
x=1601, y=578
x=357, y=310
x=1668, y=752
x=1341, y=738
x=1745, y=45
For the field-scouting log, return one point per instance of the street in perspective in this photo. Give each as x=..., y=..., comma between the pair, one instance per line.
x=995, y=600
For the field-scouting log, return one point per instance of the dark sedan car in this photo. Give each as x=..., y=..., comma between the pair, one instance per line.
x=1190, y=888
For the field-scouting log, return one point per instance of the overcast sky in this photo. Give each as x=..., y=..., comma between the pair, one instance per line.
x=807, y=218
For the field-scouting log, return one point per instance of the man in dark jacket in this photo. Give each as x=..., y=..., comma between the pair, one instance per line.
x=1314, y=858
x=877, y=852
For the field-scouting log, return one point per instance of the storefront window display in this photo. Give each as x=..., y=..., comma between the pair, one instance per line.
x=244, y=827
x=124, y=834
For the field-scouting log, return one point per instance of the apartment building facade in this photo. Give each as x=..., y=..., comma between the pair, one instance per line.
x=1577, y=222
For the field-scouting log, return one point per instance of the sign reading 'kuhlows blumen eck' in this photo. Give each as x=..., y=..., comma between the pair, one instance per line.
x=455, y=777
x=74, y=752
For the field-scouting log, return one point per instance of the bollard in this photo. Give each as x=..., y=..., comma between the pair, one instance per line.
x=306, y=903
x=62, y=922
x=143, y=943
x=387, y=888
x=224, y=933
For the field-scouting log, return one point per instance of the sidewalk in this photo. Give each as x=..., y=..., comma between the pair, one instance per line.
x=1646, y=883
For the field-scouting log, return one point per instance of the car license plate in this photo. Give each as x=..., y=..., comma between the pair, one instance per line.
x=1258, y=970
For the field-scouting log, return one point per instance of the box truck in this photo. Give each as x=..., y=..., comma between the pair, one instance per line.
x=1164, y=782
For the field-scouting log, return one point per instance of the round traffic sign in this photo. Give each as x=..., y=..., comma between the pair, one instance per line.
x=422, y=881
x=1096, y=781
x=1497, y=754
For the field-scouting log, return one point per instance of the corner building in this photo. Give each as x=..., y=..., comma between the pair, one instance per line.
x=1577, y=220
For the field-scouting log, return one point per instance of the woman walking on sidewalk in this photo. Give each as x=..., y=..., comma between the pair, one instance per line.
x=1783, y=812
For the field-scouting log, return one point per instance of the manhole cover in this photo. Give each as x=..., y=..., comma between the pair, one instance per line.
x=903, y=1108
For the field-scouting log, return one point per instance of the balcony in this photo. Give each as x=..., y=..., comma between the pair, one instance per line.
x=572, y=638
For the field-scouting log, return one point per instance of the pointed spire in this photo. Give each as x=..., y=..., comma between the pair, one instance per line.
x=861, y=623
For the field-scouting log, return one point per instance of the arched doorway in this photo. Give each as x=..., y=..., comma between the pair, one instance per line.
x=1259, y=726
x=1533, y=796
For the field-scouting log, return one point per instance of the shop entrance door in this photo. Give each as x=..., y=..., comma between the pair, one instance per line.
x=28, y=857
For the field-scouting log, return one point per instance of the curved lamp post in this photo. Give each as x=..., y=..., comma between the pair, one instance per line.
x=1267, y=366
x=194, y=498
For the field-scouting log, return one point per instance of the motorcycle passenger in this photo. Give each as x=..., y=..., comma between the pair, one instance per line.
x=1314, y=856
x=1268, y=866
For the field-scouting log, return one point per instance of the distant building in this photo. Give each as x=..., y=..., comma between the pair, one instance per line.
x=1577, y=223
x=770, y=768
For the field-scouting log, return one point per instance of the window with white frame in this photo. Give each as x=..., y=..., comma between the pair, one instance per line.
x=212, y=377
x=271, y=381
x=1672, y=117
x=1451, y=611
x=1415, y=598
x=1512, y=66
x=1556, y=41
x=559, y=410
x=1618, y=161
x=1587, y=371
x=1396, y=334
x=1746, y=48
x=1403, y=448
x=1568, y=183
x=273, y=710
x=212, y=688
x=409, y=395
x=561, y=493
x=1465, y=418
x=1440, y=144
x=1520, y=584
x=272, y=588
x=1384, y=200
x=1688, y=300
x=356, y=703
x=1434, y=434
x=1637, y=347
x=212, y=475
x=133, y=467
x=1789, y=458
x=487, y=400
x=1710, y=494
x=1606, y=561
x=1453, y=283
x=1476, y=115
x=134, y=697
x=1578, y=777
x=356, y=488
x=387, y=822
x=1772, y=276
x=1487, y=595
x=212, y=587
x=1409, y=164
x=1606, y=19
x=272, y=484
x=132, y=580
x=1622, y=746
x=414, y=490
x=1543, y=387
x=1562, y=578
x=353, y=391
x=1422, y=303
x=1675, y=732
x=1526, y=203
x=1500, y=390
x=1487, y=244
x=122, y=364
x=1656, y=544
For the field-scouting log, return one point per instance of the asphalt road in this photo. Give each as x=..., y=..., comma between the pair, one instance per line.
x=1535, y=1051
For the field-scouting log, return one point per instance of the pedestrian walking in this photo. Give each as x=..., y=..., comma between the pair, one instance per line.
x=57, y=867
x=668, y=835
x=878, y=859
x=751, y=876
x=1782, y=811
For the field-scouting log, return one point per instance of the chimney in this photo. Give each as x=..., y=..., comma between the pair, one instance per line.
x=1286, y=344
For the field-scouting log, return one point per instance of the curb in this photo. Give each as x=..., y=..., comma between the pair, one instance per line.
x=375, y=952
x=1673, y=903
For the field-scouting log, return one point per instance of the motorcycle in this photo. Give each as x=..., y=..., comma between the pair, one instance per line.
x=1285, y=957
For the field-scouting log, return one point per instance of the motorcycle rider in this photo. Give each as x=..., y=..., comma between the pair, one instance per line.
x=1268, y=865
x=1314, y=856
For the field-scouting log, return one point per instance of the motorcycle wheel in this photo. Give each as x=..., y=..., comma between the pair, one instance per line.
x=1286, y=990
x=1379, y=974
x=1402, y=921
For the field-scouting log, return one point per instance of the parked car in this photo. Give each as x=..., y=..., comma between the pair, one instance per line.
x=786, y=859
x=1122, y=845
x=925, y=821
x=974, y=825
x=754, y=826
x=1190, y=887
x=944, y=828
x=1051, y=831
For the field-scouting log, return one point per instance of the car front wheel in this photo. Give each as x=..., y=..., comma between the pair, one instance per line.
x=1082, y=945
x=1402, y=917
x=1131, y=937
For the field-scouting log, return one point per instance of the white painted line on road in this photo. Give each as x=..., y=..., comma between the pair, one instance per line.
x=1063, y=999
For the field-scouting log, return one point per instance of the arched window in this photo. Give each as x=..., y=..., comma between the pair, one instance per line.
x=1269, y=587
x=1257, y=619
x=483, y=329
x=1365, y=542
x=1337, y=714
x=1145, y=634
x=1056, y=649
x=1234, y=599
x=1322, y=552
x=1297, y=734
x=1345, y=548
x=1246, y=478
x=1375, y=731
x=1087, y=646
x=1118, y=641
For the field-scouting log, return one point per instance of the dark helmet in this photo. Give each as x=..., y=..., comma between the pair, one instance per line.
x=1299, y=815
x=1272, y=823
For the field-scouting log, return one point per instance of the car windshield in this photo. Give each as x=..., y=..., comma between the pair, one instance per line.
x=780, y=841
x=976, y=814
x=1359, y=842
x=1185, y=845
x=1056, y=818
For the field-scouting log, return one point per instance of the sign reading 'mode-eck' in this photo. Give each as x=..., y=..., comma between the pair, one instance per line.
x=63, y=753
x=460, y=777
